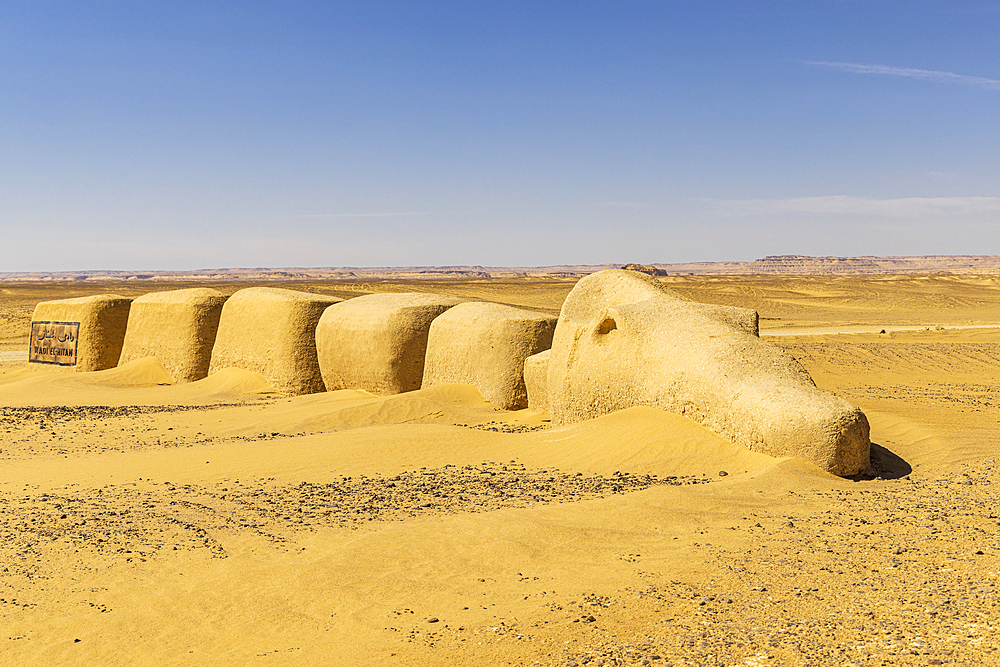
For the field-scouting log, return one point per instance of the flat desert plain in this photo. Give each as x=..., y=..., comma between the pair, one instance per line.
x=217, y=523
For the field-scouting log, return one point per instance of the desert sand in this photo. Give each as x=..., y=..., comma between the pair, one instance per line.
x=218, y=522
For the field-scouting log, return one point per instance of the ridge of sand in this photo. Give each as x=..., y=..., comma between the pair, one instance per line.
x=139, y=382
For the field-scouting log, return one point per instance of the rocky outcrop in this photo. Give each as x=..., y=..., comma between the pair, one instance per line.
x=648, y=270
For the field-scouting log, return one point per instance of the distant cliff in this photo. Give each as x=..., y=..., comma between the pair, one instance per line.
x=774, y=264
x=803, y=264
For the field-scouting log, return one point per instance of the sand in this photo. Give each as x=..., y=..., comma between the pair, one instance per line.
x=218, y=522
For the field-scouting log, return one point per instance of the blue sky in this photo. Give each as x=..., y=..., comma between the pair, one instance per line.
x=183, y=135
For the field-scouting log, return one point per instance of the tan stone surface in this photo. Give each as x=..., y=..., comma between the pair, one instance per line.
x=536, y=375
x=485, y=345
x=623, y=341
x=177, y=327
x=378, y=342
x=103, y=319
x=272, y=331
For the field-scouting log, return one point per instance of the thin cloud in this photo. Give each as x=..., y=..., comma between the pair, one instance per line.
x=908, y=72
x=622, y=204
x=905, y=207
x=405, y=214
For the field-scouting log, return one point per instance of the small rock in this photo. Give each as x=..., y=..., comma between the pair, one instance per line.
x=432, y=620
x=723, y=473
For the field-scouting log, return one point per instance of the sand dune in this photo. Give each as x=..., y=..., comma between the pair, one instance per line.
x=220, y=523
x=131, y=384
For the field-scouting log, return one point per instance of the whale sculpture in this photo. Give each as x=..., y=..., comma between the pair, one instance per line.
x=272, y=331
x=378, y=342
x=485, y=345
x=81, y=334
x=177, y=327
x=622, y=340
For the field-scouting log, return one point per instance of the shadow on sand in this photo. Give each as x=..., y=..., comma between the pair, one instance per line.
x=884, y=465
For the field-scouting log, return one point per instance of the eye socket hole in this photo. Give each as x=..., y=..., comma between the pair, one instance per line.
x=606, y=326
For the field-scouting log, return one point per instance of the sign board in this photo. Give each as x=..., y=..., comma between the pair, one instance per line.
x=53, y=343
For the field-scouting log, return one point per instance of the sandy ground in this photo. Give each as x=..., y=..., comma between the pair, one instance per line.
x=217, y=523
